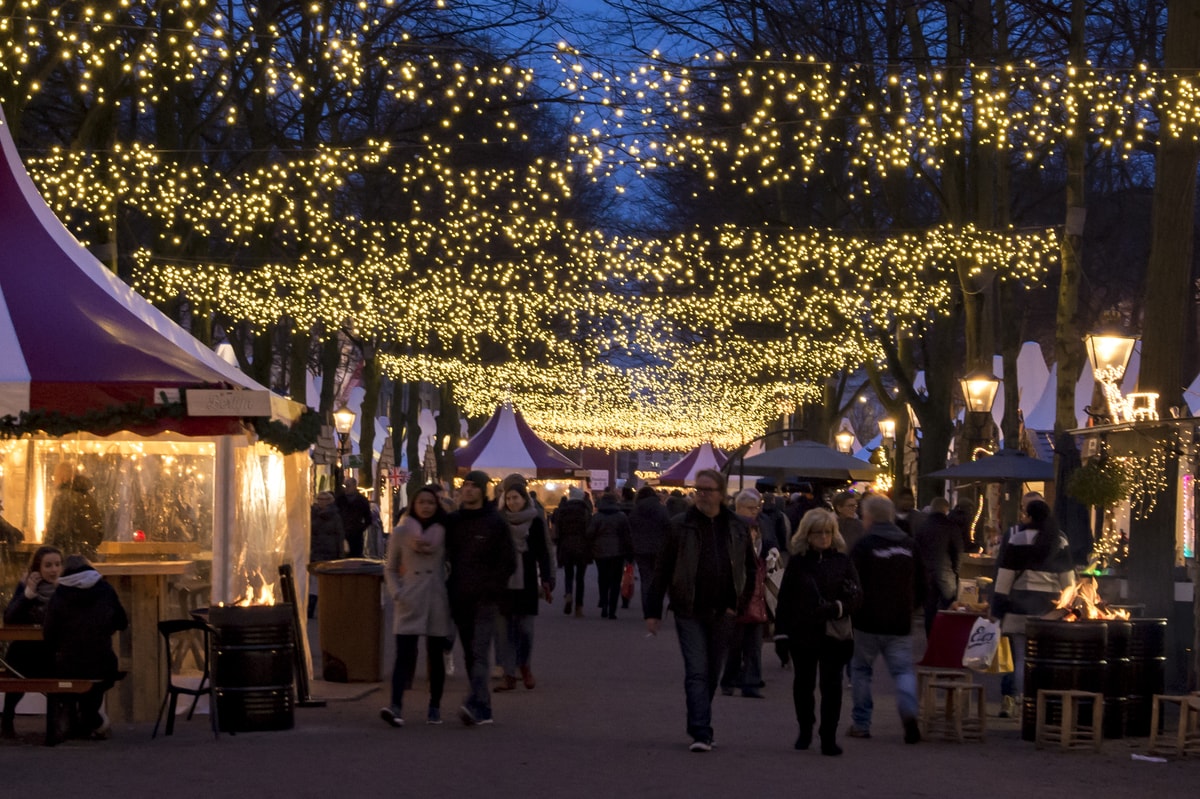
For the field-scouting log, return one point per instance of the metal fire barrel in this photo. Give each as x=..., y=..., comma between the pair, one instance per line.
x=252, y=667
x=1147, y=672
x=1118, y=677
x=1061, y=656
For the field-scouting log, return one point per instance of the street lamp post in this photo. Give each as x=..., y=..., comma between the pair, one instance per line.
x=1108, y=353
x=979, y=389
x=887, y=434
x=343, y=422
x=844, y=439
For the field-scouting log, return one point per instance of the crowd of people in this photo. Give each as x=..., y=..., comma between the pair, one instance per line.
x=855, y=572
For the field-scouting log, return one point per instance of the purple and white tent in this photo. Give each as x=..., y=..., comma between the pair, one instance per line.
x=507, y=445
x=74, y=338
x=683, y=473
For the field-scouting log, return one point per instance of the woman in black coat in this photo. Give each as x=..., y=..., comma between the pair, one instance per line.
x=28, y=606
x=818, y=593
x=81, y=619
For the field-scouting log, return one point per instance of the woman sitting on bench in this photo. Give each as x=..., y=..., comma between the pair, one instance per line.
x=28, y=606
x=81, y=619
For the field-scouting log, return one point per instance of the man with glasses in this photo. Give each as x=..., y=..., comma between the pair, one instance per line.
x=707, y=566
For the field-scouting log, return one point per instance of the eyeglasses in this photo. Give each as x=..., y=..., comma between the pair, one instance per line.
x=820, y=532
x=707, y=490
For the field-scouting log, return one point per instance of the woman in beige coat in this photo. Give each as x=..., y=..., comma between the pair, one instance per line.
x=416, y=580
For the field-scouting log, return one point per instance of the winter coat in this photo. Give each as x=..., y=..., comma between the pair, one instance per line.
x=648, y=523
x=940, y=544
x=570, y=520
x=416, y=580
x=327, y=539
x=678, y=563
x=75, y=525
x=1034, y=570
x=537, y=568
x=80, y=623
x=813, y=585
x=480, y=553
x=892, y=579
x=30, y=658
x=608, y=532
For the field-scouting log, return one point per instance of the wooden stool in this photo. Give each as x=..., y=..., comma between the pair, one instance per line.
x=1069, y=734
x=1187, y=734
x=925, y=674
x=953, y=719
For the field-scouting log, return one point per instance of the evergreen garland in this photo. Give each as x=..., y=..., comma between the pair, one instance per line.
x=286, y=438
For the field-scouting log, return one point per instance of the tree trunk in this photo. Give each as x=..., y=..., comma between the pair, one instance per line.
x=1169, y=272
x=1068, y=347
x=447, y=433
x=371, y=379
x=1168, y=290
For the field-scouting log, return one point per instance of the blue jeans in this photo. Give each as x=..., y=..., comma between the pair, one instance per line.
x=743, y=666
x=476, y=625
x=514, y=642
x=897, y=655
x=704, y=643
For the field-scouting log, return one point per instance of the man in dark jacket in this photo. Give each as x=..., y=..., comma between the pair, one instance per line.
x=648, y=524
x=81, y=618
x=707, y=565
x=355, y=510
x=893, y=582
x=940, y=544
x=481, y=557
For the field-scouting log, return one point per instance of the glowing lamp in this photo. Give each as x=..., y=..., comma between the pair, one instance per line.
x=343, y=420
x=845, y=440
x=887, y=428
x=979, y=390
x=1108, y=354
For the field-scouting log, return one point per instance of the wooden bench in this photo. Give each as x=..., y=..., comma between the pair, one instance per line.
x=53, y=689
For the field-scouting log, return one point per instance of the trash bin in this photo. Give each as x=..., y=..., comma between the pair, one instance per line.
x=350, y=618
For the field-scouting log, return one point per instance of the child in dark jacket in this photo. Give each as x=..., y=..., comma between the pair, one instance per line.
x=81, y=619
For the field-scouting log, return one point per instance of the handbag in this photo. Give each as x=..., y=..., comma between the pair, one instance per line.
x=627, y=582
x=840, y=629
x=756, y=608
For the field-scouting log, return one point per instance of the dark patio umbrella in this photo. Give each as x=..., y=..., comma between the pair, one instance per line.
x=1007, y=464
x=806, y=459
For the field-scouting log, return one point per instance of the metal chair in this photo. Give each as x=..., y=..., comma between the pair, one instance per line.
x=170, y=700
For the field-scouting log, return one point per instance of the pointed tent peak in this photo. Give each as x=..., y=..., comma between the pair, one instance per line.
x=506, y=444
x=86, y=340
x=683, y=472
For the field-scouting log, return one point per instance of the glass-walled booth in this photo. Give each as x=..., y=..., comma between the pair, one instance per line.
x=234, y=508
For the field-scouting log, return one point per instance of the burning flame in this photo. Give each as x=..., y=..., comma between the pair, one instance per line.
x=1082, y=601
x=265, y=595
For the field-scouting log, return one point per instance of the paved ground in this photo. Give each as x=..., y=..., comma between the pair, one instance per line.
x=606, y=719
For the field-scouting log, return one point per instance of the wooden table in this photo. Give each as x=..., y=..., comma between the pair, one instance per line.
x=142, y=588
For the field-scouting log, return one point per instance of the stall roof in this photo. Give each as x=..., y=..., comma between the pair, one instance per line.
x=683, y=473
x=74, y=337
x=506, y=444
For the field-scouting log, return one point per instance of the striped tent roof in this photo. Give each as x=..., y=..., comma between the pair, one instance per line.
x=75, y=338
x=507, y=445
x=683, y=473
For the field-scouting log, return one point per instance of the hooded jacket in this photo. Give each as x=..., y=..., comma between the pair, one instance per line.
x=893, y=581
x=648, y=523
x=81, y=618
x=608, y=531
